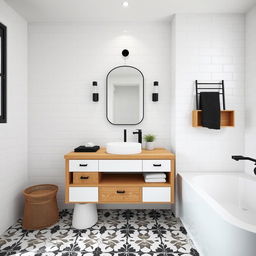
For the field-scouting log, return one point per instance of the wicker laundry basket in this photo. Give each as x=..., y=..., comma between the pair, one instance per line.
x=41, y=208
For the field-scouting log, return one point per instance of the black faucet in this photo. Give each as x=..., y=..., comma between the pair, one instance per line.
x=125, y=135
x=139, y=132
x=237, y=158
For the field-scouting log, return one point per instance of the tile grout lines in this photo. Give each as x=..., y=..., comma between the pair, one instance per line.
x=117, y=233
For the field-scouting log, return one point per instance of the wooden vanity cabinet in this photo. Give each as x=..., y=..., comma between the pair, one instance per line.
x=120, y=194
x=85, y=178
x=104, y=178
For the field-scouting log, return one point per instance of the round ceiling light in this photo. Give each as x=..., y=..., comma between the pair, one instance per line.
x=125, y=4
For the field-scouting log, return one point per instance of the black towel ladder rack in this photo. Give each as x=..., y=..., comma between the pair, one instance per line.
x=222, y=89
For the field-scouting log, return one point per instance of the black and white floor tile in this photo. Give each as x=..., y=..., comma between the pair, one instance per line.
x=117, y=233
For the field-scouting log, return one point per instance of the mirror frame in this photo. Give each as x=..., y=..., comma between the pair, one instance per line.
x=143, y=88
x=3, y=74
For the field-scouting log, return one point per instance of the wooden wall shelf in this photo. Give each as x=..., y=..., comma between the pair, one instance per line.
x=227, y=118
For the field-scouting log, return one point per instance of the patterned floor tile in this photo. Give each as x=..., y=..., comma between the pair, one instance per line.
x=62, y=240
x=112, y=241
x=17, y=225
x=169, y=222
x=98, y=253
x=33, y=241
x=142, y=222
x=64, y=223
x=110, y=219
x=144, y=241
x=39, y=253
x=87, y=240
x=177, y=241
x=133, y=254
x=18, y=253
x=10, y=238
x=117, y=233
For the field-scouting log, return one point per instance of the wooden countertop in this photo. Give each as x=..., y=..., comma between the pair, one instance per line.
x=158, y=153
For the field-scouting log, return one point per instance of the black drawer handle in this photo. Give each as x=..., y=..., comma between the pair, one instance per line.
x=157, y=165
x=84, y=177
x=120, y=192
x=83, y=165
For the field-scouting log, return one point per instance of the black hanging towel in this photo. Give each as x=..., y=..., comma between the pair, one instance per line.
x=210, y=106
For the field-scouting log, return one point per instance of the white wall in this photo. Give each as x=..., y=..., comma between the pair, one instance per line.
x=250, y=92
x=13, y=134
x=64, y=59
x=208, y=48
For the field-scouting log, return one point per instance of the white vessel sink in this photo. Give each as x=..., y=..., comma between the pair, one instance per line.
x=123, y=148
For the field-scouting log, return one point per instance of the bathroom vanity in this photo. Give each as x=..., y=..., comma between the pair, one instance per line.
x=104, y=178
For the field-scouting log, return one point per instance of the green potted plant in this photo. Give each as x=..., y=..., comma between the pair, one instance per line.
x=150, y=141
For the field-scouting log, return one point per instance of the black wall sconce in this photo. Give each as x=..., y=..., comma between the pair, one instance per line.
x=155, y=91
x=95, y=94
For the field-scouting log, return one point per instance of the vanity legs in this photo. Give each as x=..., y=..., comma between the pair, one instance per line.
x=85, y=216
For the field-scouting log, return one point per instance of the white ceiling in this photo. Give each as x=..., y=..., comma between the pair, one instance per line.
x=112, y=10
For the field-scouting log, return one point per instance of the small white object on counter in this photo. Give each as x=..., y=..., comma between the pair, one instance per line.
x=89, y=144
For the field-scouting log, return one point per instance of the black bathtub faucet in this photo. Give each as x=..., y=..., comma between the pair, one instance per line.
x=238, y=158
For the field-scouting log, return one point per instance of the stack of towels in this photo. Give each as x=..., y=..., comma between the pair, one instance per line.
x=155, y=177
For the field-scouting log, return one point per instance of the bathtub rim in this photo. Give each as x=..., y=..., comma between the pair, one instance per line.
x=225, y=214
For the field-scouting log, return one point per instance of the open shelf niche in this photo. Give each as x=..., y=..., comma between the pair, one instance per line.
x=130, y=179
x=227, y=118
x=122, y=179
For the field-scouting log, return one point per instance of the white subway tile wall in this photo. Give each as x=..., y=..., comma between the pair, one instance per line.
x=208, y=48
x=13, y=134
x=64, y=59
x=250, y=90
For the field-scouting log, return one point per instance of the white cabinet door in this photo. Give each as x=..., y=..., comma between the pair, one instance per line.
x=156, y=194
x=83, y=165
x=120, y=165
x=83, y=194
x=156, y=165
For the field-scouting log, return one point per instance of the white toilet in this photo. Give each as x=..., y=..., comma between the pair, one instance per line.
x=85, y=216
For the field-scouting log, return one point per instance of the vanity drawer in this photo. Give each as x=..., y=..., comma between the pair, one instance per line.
x=85, y=177
x=121, y=194
x=120, y=165
x=156, y=165
x=83, y=165
x=156, y=194
x=83, y=194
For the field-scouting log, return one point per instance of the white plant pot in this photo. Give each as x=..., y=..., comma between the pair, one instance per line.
x=150, y=145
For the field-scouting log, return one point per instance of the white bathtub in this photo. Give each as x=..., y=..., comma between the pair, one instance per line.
x=219, y=212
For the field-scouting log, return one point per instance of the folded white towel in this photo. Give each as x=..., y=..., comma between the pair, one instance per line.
x=154, y=180
x=154, y=175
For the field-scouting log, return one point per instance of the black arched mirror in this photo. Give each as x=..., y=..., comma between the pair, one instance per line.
x=125, y=96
